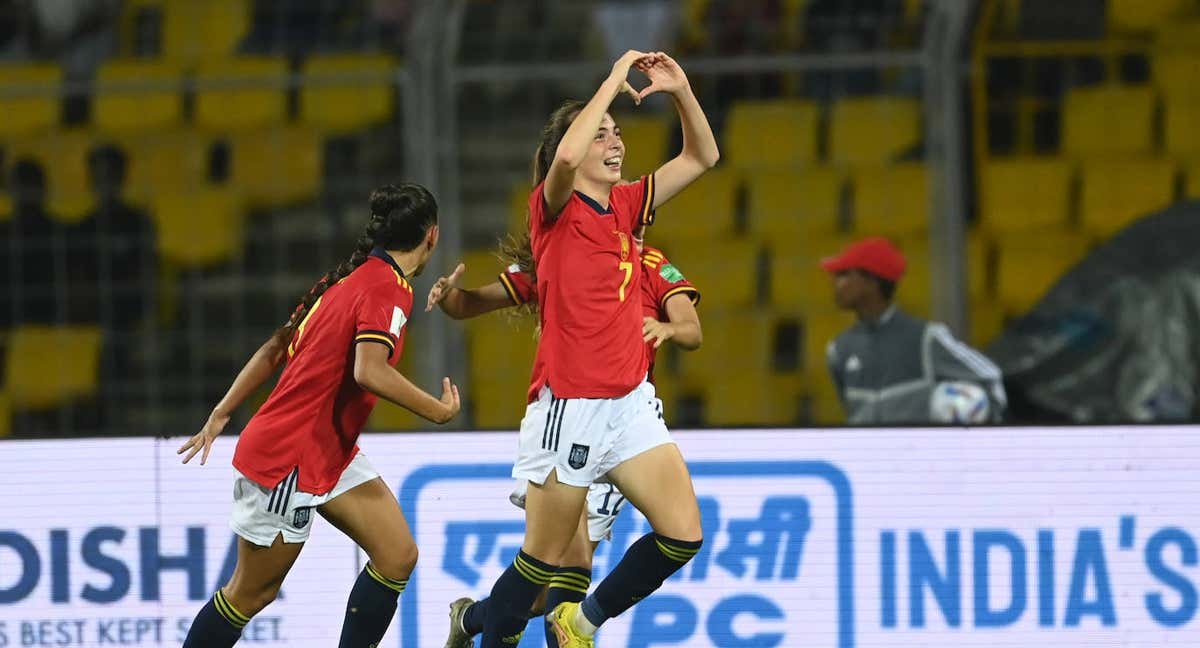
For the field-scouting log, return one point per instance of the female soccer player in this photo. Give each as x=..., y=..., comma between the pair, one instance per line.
x=591, y=412
x=299, y=451
x=669, y=313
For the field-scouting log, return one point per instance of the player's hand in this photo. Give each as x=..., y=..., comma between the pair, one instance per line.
x=656, y=331
x=628, y=60
x=664, y=73
x=450, y=402
x=442, y=287
x=633, y=94
x=204, y=438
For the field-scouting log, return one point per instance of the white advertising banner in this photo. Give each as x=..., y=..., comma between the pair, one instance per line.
x=1006, y=537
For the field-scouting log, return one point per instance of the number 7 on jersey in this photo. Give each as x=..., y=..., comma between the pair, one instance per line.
x=627, y=267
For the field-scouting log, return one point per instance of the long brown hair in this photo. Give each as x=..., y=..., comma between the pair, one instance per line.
x=400, y=217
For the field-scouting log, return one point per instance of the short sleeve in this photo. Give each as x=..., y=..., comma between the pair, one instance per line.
x=633, y=202
x=667, y=279
x=519, y=285
x=382, y=314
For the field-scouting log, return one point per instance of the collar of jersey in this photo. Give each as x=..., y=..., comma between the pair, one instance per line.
x=591, y=202
x=381, y=253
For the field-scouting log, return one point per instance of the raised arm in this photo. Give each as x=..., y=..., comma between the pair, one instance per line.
x=462, y=303
x=560, y=179
x=373, y=373
x=700, y=152
x=259, y=368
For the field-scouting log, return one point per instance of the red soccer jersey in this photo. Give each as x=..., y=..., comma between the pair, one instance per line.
x=660, y=282
x=315, y=413
x=588, y=293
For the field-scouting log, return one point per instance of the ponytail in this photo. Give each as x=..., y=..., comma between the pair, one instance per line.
x=362, y=249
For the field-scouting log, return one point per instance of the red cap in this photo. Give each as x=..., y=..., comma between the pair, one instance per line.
x=875, y=255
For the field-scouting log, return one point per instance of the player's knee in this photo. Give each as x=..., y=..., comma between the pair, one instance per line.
x=397, y=561
x=250, y=603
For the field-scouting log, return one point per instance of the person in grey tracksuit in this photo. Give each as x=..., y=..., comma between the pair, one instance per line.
x=887, y=364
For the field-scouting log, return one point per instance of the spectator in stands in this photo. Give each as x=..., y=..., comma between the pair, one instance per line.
x=36, y=250
x=888, y=364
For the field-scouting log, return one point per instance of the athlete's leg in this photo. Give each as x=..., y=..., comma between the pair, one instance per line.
x=370, y=515
x=552, y=511
x=657, y=482
x=255, y=582
x=572, y=579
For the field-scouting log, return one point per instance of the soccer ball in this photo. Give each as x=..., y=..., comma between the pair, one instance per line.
x=960, y=403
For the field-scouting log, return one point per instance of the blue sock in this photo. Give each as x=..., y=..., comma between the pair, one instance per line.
x=217, y=625
x=512, y=595
x=370, y=609
x=475, y=617
x=650, y=561
x=569, y=585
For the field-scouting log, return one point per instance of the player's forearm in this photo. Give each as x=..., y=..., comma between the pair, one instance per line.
x=575, y=142
x=389, y=384
x=464, y=304
x=687, y=335
x=258, y=370
x=699, y=143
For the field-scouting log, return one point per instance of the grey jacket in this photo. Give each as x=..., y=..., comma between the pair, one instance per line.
x=886, y=372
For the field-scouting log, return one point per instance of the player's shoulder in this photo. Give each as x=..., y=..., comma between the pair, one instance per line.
x=377, y=275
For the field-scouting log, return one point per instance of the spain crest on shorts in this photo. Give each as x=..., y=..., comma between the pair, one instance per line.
x=578, y=457
x=301, y=516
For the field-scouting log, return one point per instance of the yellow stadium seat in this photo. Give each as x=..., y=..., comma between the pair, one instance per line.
x=736, y=342
x=5, y=206
x=645, y=140
x=703, y=211
x=873, y=130
x=518, y=207
x=797, y=280
x=750, y=399
x=1031, y=262
x=987, y=322
x=1144, y=15
x=820, y=328
x=5, y=414
x=165, y=163
x=137, y=96
x=778, y=133
x=787, y=205
x=1175, y=74
x=348, y=92
x=196, y=31
x=502, y=347
x=1192, y=187
x=1181, y=126
x=1108, y=120
x=199, y=228
x=48, y=366
x=275, y=167
x=725, y=271
x=483, y=267
x=916, y=286
x=1025, y=193
x=36, y=111
x=824, y=406
x=1117, y=192
x=241, y=94
x=891, y=201
x=63, y=157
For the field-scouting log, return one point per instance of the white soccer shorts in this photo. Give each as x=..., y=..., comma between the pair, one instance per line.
x=260, y=514
x=584, y=438
x=604, y=503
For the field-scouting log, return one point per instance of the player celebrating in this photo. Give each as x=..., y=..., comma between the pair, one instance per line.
x=591, y=412
x=669, y=313
x=299, y=451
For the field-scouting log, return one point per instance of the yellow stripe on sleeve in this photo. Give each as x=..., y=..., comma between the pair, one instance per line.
x=510, y=289
x=693, y=294
x=647, y=215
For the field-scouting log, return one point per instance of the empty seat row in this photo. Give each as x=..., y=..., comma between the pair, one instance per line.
x=1113, y=120
x=337, y=94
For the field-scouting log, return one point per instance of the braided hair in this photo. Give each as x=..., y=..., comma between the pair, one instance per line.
x=401, y=215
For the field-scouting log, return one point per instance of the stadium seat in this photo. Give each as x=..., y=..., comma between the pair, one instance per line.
x=736, y=342
x=26, y=115
x=824, y=406
x=200, y=31
x=646, y=139
x=1030, y=263
x=1108, y=120
x=63, y=157
x=277, y=167
x=772, y=134
x=5, y=414
x=241, y=94
x=348, y=92
x=915, y=291
x=1175, y=73
x=796, y=278
x=1117, y=192
x=705, y=211
x=518, y=207
x=987, y=321
x=820, y=328
x=786, y=205
x=483, y=267
x=891, y=201
x=1181, y=126
x=725, y=270
x=1144, y=15
x=1192, y=186
x=873, y=130
x=164, y=163
x=137, y=96
x=502, y=347
x=199, y=228
x=752, y=398
x=1021, y=194
x=5, y=207
x=49, y=366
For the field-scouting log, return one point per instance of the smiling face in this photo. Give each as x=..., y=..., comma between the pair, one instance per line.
x=602, y=164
